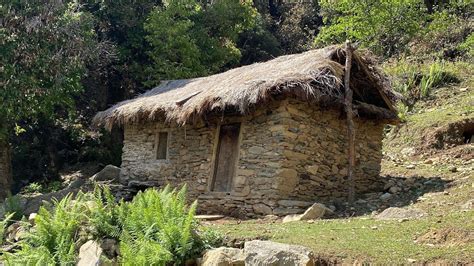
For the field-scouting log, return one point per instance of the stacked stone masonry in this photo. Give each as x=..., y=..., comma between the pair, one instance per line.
x=291, y=154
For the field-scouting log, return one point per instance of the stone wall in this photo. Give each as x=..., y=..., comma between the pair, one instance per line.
x=315, y=156
x=290, y=155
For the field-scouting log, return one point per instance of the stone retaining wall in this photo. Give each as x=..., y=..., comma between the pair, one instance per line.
x=290, y=155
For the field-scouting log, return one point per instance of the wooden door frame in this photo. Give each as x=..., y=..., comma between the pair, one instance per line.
x=215, y=148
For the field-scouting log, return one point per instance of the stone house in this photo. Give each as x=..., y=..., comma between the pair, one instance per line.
x=267, y=138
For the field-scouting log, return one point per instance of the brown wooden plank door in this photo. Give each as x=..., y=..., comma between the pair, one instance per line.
x=226, y=157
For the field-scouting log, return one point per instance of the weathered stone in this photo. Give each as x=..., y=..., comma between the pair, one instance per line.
x=223, y=256
x=270, y=253
x=89, y=254
x=32, y=218
x=312, y=169
x=394, y=190
x=386, y=196
x=316, y=211
x=261, y=208
x=109, y=173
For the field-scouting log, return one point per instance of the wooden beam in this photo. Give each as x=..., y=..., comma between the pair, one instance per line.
x=373, y=80
x=350, y=122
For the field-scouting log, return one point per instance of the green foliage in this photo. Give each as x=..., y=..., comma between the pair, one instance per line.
x=190, y=39
x=416, y=81
x=44, y=50
x=3, y=226
x=162, y=219
x=468, y=45
x=33, y=188
x=386, y=27
x=13, y=205
x=53, y=239
x=155, y=228
x=402, y=111
x=105, y=215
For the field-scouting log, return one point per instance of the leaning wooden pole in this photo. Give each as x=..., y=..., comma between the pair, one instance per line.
x=350, y=122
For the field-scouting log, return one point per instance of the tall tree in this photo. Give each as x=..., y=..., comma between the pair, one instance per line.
x=190, y=39
x=44, y=48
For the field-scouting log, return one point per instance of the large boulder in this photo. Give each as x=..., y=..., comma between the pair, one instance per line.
x=267, y=253
x=89, y=254
x=223, y=256
x=109, y=173
x=316, y=211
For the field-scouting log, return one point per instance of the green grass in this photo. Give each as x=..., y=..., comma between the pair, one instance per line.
x=363, y=238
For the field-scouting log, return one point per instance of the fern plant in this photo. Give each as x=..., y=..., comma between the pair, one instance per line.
x=3, y=226
x=52, y=240
x=163, y=218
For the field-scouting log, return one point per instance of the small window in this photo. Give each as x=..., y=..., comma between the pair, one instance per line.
x=162, y=146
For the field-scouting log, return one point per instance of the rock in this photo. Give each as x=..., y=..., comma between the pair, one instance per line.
x=77, y=183
x=109, y=173
x=395, y=213
x=428, y=161
x=270, y=253
x=386, y=196
x=32, y=218
x=453, y=169
x=410, y=166
x=12, y=231
x=89, y=254
x=316, y=211
x=110, y=247
x=223, y=256
x=394, y=190
x=469, y=205
x=261, y=208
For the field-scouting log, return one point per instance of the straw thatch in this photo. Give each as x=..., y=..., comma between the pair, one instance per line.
x=314, y=75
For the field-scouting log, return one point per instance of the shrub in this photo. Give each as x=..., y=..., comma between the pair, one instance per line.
x=33, y=188
x=155, y=228
x=53, y=240
x=416, y=81
x=13, y=205
x=162, y=220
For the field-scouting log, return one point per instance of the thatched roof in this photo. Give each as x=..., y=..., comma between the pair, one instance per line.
x=315, y=76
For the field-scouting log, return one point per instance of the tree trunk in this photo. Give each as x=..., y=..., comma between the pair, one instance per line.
x=5, y=169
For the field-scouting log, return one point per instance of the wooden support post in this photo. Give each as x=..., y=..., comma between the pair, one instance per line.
x=350, y=122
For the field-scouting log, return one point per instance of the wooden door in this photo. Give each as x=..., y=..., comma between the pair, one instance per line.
x=226, y=157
